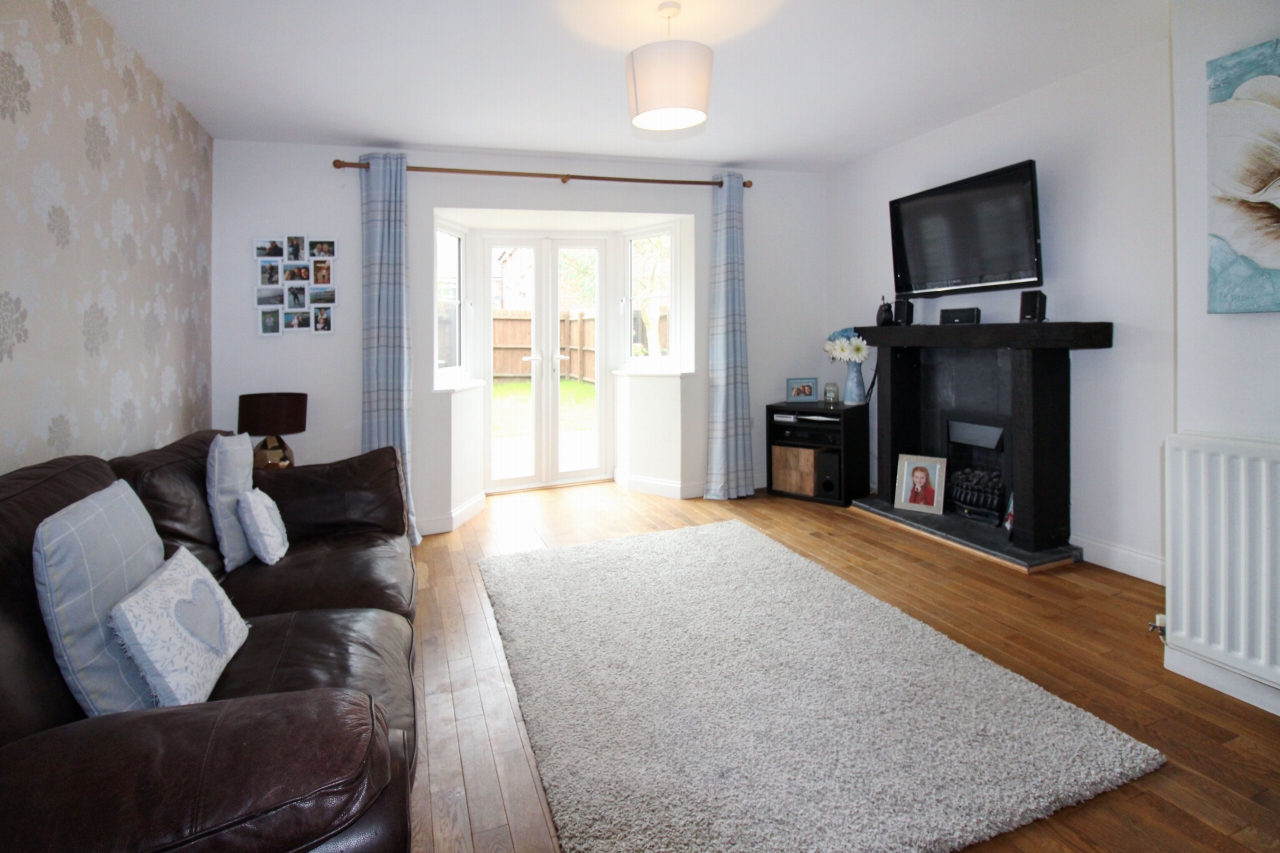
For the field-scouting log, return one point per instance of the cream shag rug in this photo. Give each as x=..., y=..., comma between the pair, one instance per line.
x=707, y=689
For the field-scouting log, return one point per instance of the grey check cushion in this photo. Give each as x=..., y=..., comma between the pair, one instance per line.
x=87, y=557
x=229, y=474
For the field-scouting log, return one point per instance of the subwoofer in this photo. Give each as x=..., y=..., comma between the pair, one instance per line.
x=826, y=474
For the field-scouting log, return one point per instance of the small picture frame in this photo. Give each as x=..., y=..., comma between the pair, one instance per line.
x=297, y=321
x=269, y=321
x=270, y=296
x=295, y=297
x=322, y=296
x=322, y=272
x=921, y=484
x=295, y=248
x=269, y=247
x=268, y=273
x=802, y=390
x=296, y=272
x=322, y=320
x=322, y=249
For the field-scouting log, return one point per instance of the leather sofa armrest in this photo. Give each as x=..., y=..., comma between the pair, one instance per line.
x=275, y=772
x=360, y=494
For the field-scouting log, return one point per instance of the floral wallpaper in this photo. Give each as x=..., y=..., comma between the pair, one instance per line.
x=104, y=243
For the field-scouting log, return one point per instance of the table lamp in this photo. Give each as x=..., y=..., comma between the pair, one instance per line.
x=271, y=416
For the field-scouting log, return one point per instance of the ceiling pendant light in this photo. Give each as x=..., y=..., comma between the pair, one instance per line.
x=669, y=82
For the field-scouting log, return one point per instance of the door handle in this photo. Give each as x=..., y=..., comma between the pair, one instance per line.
x=563, y=357
x=531, y=358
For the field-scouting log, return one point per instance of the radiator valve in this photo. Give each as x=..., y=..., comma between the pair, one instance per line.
x=1157, y=626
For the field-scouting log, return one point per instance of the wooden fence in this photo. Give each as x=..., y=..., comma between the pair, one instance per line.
x=512, y=336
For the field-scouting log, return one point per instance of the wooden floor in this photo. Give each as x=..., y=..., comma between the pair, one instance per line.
x=1079, y=632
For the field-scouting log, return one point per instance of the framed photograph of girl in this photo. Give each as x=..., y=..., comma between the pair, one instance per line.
x=921, y=483
x=322, y=321
x=268, y=273
x=269, y=321
x=323, y=249
x=295, y=248
x=297, y=320
x=322, y=272
x=271, y=247
x=296, y=297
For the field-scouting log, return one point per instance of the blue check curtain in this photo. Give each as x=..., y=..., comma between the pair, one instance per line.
x=388, y=386
x=729, y=472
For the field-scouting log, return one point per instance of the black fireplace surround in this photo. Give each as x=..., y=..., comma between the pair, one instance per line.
x=995, y=401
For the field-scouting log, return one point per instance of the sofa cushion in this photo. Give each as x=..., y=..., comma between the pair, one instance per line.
x=180, y=629
x=355, y=570
x=262, y=525
x=35, y=696
x=229, y=475
x=170, y=481
x=87, y=557
x=263, y=773
x=366, y=650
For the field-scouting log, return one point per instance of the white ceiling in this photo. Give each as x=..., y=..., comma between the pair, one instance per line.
x=805, y=84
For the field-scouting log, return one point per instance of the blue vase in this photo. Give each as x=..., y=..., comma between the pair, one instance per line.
x=855, y=393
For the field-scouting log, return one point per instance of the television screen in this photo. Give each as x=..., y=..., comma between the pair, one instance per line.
x=982, y=233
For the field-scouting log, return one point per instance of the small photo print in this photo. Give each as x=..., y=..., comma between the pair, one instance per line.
x=269, y=322
x=269, y=248
x=323, y=249
x=268, y=273
x=294, y=320
x=295, y=248
x=322, y=272
x=270, y=295
x=921, y=481
x=802, y=390
x=297, y=272
x=297, y=297
x=322, y=320
x=323, y=296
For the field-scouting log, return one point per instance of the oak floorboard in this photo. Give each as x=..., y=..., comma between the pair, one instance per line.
x=1078, y=631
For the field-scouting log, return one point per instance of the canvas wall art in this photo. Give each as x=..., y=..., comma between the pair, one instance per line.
x=1244, y=181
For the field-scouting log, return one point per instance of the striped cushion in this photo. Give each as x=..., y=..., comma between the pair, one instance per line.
x=87, y=557
x=229, y=475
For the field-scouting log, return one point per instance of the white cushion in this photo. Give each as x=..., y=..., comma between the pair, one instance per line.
x=180, y=629
x=263, y=527
x=229, y=473
x=86, y=557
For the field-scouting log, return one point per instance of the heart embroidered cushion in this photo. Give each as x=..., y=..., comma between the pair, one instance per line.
x=228, y=474
x=86, y=557
x=180, y=629
x=263, y=526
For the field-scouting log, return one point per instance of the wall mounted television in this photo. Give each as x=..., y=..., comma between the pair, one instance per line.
x=982, y=233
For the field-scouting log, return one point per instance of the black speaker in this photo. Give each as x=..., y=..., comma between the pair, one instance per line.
x=826, y=474
x=1032, y=306
x=952, y=316
x=903, y=312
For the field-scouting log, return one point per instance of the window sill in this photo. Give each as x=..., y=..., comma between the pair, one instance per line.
x=460, y=384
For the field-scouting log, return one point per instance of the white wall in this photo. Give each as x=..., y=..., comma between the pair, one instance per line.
x=264, y=189
x=1227, y=375
x=1102, y=145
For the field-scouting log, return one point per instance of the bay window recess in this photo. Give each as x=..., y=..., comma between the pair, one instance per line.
x=449, y=314
x=653, y=298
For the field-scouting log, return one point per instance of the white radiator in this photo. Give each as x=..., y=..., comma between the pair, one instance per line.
x=1222, y=545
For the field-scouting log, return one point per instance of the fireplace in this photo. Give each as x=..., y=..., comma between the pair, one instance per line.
x=995, y=401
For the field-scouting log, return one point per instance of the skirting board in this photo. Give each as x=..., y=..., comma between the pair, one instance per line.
x=1226, y=681
x=1120, y=559
x=467, y=510
x=661, y=488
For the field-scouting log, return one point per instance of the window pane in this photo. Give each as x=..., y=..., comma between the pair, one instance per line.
x=651, y=266
x=651, y=326
x=579, y=272
x=511, y=273
x=448, y=268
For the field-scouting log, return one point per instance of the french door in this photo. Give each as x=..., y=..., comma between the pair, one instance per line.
x=544, y=418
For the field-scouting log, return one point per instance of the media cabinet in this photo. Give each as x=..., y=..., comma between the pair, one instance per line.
x=1014, y=377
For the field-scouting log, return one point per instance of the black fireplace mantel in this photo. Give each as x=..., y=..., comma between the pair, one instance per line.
x=1034, y=378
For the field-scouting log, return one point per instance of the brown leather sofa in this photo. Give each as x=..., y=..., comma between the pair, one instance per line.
x=308, y=739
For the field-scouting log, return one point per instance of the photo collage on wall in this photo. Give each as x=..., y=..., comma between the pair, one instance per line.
x=295, y=288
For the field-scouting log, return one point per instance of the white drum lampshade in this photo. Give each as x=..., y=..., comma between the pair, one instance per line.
x=669, y=84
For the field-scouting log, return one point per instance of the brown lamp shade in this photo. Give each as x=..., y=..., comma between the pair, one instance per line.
x=273, y=414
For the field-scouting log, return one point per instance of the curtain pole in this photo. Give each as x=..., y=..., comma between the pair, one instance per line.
x=564, y=179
